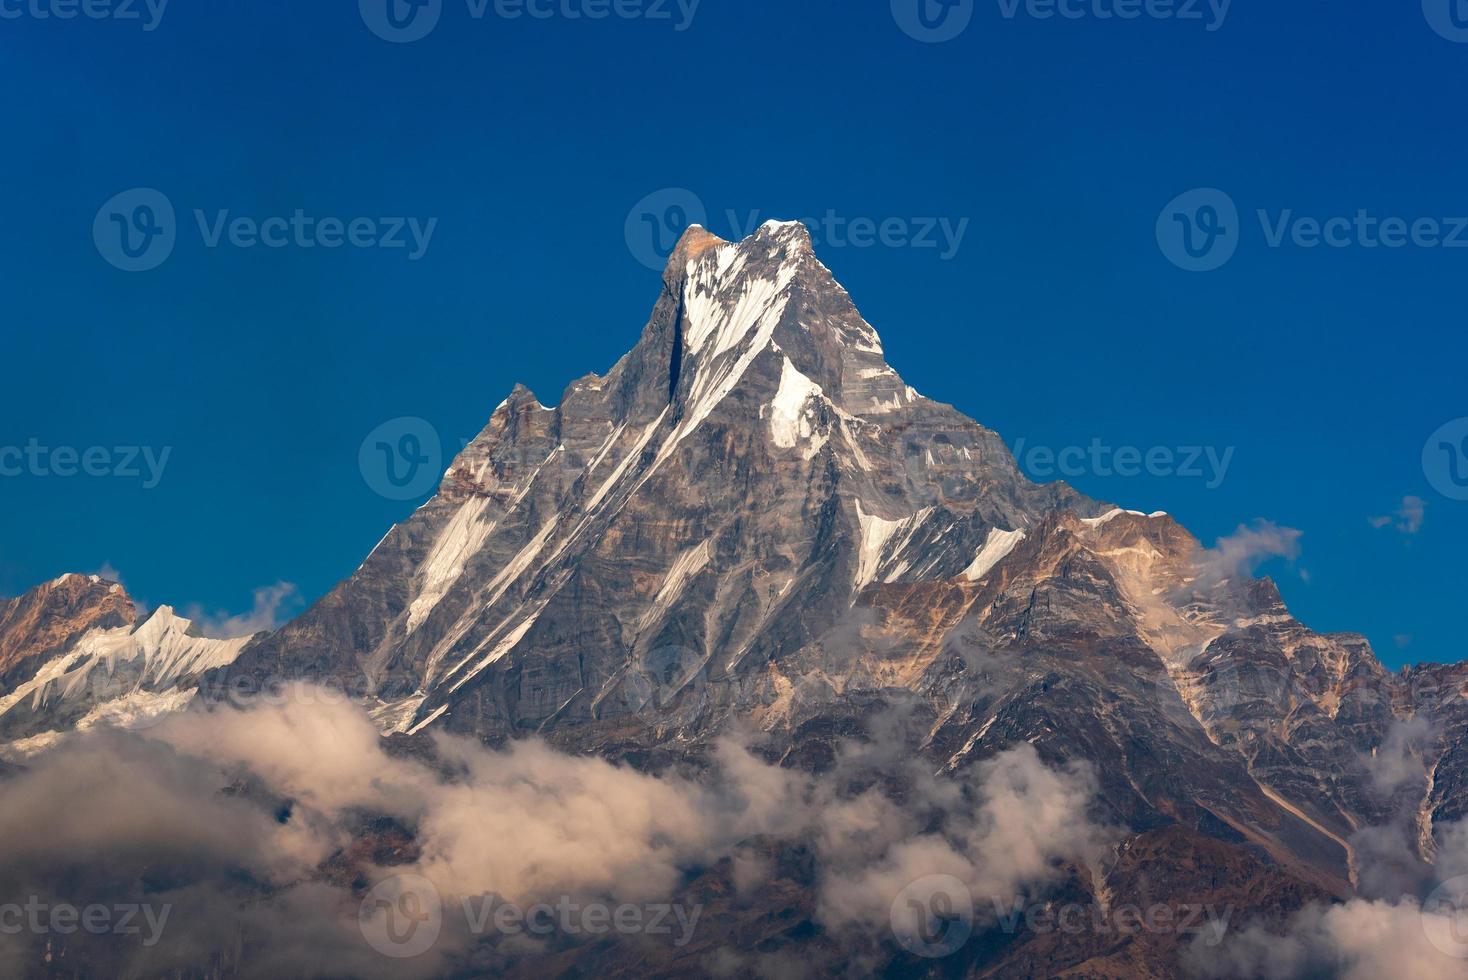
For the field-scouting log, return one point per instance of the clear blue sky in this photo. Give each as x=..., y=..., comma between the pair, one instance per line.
x=1059, y=320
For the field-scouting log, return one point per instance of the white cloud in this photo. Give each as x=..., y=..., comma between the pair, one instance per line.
x=1398, y=761
x=1408, y=517
x=274, y=605
x=1364, y=939
x=1359, y=940
x=214, y=797
x=1245, y=550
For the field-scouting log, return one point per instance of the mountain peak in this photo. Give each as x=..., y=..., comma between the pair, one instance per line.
x=782, y=239
x=793, y=231
x=695, y=241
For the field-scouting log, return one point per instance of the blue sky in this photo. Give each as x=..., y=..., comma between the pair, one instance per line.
x=1057, y=317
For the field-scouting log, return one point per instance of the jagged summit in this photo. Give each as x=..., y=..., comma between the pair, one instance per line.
x=694, y=241
x=732, y=484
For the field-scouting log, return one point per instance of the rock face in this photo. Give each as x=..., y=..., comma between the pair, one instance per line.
x=751, y=518
x=716, y=502
x=50, y=617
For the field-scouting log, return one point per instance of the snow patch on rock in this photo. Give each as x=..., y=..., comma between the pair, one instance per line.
x=996, y=549
x=790, y=415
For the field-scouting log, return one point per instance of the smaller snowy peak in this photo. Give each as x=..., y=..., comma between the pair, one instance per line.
x=786, y=229
x=790, y=240
x=114, y=670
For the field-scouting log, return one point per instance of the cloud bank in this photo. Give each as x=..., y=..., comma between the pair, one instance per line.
x=263, y=829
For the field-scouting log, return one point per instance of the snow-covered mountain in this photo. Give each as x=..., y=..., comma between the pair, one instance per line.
x=77, y=656
x=722, y=496
x=753, y=520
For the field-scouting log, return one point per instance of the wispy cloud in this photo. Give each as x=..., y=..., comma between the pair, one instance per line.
x=1407, y=519
x=1242, y=552
x=110, y=573
x=273, y=607
x=1359, y=940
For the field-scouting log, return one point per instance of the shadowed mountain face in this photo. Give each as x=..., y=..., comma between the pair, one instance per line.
x=752, y=521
